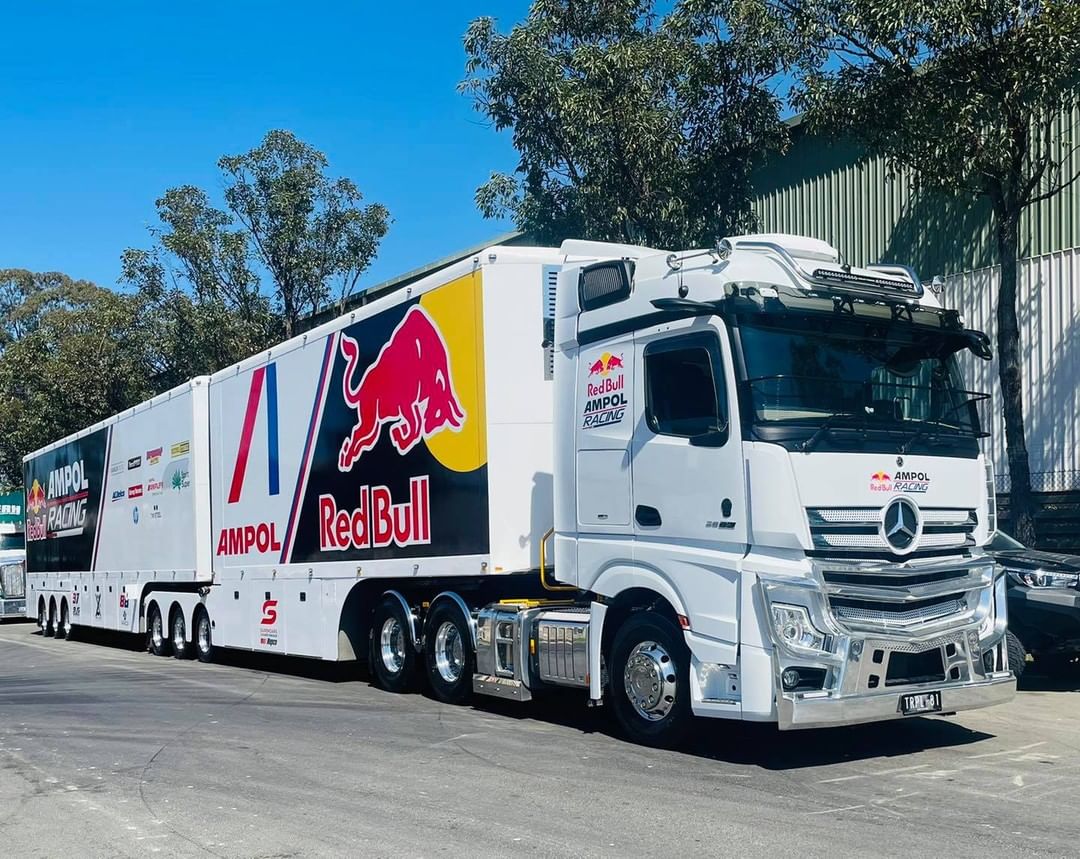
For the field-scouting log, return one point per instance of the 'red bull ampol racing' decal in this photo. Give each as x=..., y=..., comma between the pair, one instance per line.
x=399, y=466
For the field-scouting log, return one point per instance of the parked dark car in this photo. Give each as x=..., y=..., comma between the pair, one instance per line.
x=1044, y=605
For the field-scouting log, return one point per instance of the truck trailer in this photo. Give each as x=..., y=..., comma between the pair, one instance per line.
x=742, y=482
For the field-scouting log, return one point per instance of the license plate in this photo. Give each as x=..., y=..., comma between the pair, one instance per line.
x=920, y=702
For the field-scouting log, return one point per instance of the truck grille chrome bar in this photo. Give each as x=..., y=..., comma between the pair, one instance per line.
x=858, y=529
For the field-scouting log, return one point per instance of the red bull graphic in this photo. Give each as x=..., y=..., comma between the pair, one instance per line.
x=394, y=459
x=605, y=392
x=377, y=521
x=408, y=386
x=880, y=481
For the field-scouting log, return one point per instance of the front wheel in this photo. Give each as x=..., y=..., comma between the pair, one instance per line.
x=1017, y=654
x=650, y=680
x=448, y=649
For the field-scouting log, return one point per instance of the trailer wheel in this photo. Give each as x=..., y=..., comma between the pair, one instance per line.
x=42, y=620
x=391, y=654
x=204, y=640
x=179, y=633
x=63, y=629
x=1017, y=654
x=51, y=628
x=650, y=682
x=449, y=654
x=159, y=644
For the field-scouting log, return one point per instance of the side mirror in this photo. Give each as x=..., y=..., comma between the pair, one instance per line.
x=978, y=343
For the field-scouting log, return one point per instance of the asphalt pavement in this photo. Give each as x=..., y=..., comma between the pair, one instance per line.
x=108, y=751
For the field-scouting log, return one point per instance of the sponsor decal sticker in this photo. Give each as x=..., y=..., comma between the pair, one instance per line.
x=155, y=486
x=181, y=448
x=605, y=392
x=119, y=494
x=911, y=482
x=268, y=633
x=134, y=462
x=377, y=521
x=153, y=456
x=116, y=468
x=178, y=476
x=155, y=511
x=63, y=502
x=135, y=514
x=135, y=491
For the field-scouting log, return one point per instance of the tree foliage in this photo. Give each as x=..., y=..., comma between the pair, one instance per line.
x=72, y=353
x=286, y=232
x=630, y=126
x=966, y=95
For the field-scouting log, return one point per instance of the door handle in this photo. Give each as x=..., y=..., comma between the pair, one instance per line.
x=647, y=517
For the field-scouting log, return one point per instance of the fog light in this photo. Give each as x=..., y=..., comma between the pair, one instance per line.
x=790, y=678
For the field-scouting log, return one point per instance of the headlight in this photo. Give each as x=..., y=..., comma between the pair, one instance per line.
x=795, y=629
x=1044, y=579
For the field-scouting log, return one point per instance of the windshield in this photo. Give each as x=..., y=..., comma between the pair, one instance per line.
x=816, y=375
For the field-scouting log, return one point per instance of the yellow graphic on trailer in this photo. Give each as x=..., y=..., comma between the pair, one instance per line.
x=457, y=309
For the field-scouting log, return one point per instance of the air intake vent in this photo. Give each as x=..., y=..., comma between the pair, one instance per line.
x=605, y=283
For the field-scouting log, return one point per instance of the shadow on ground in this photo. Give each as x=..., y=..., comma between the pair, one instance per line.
x=732, y=742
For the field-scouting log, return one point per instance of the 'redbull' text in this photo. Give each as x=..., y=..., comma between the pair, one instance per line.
x=377, y=521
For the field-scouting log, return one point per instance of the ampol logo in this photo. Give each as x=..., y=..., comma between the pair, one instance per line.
x=408, y=385
x=880, y=481
x=35, y=498
x=263, y=377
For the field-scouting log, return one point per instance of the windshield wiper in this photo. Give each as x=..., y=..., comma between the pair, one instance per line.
x=826, y=427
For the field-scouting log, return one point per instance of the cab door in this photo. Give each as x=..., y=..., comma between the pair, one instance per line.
x=689, y=486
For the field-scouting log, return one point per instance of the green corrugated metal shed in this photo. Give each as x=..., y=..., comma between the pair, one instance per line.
x=821, y=188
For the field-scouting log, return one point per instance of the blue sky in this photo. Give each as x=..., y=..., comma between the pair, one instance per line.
x=105, y=105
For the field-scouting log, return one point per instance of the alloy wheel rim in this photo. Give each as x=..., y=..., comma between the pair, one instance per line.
x=178, y=633
x=650, y=681
x=203, y=634
x=392, y=645
x=449, y=653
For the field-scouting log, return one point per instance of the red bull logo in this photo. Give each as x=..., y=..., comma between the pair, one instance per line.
x=35, y=498
x=407, y=386
x=378, y=520
x=880, y=481
x=603, y=365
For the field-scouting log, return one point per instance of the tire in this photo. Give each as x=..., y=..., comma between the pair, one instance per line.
x=63, y=628
x=391, y=655
x=155, y=632
x=178, y=633
x=449, y=654
x=650, y=680
x=42, y=618
x=1017, y=655
x=50, y=630
x=203, y=636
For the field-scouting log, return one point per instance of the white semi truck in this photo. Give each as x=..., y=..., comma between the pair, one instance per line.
x=742, y=483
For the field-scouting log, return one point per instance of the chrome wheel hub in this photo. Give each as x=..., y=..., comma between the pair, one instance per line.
x=178, y=631
x=449, y=654
x=202, y=634
x=392, y=645
x=156, y=632
x=650, y=681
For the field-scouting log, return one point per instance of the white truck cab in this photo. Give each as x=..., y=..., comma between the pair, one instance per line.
x=775, y=452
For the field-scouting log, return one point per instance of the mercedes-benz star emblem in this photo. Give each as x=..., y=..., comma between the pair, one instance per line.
x=900, y=524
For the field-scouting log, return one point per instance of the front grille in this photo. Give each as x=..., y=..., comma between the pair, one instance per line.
x=895, y=615
x=853, y=530
x=902, y=576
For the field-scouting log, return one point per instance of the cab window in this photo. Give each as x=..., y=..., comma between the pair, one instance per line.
x=684, y=391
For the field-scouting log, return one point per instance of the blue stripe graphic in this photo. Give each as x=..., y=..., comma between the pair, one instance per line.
x=272, y=427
